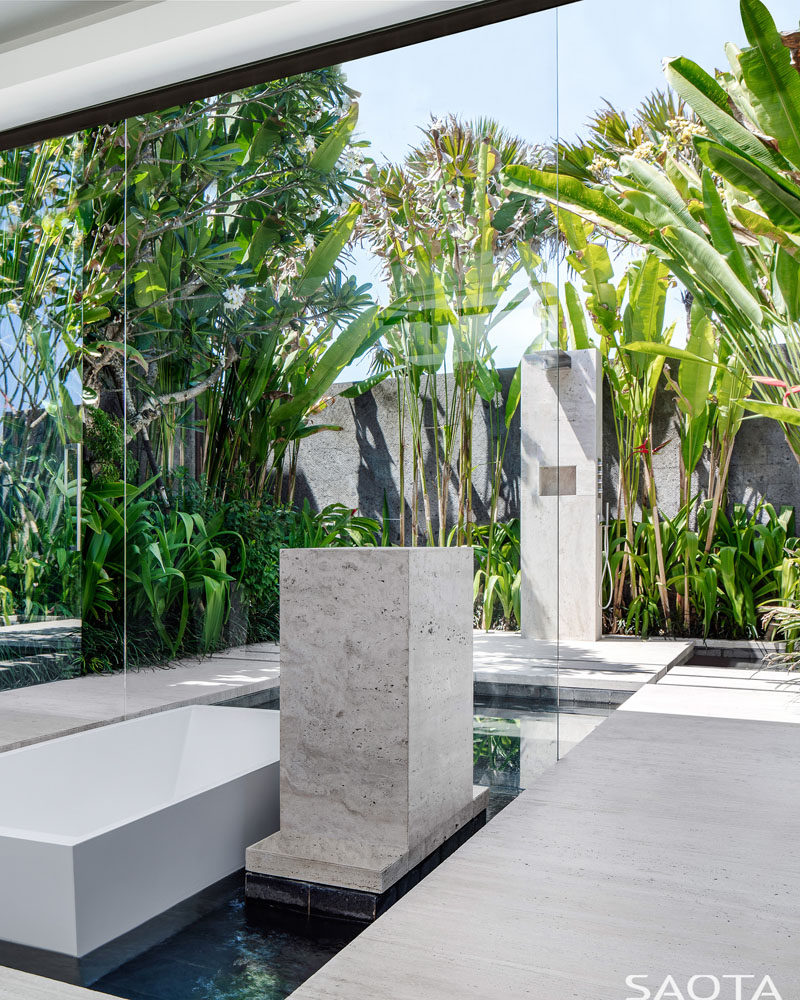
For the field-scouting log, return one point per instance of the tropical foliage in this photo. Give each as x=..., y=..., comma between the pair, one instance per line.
x=697, y=186
x=177, y=303
x=707, y=183
x=453, y=246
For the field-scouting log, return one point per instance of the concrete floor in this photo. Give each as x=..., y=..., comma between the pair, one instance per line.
x=21, y=986
x=31, y=714
x=585, y=671
x=664, y=844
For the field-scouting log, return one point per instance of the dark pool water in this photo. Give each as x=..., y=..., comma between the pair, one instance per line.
x=234, y=954
x=228, y=956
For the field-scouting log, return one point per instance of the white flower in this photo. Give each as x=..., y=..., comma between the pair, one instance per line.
x=438, y=124
x=599, y=165
x=644, y=151
x=234, y=297
x=309, y=145
x=308, y=242
x=351, y=160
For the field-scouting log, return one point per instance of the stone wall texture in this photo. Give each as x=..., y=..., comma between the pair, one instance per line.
x=358, y=465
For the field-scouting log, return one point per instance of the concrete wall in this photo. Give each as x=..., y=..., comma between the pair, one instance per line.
x=356, y=465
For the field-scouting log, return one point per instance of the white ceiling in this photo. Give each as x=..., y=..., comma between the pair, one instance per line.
x=58, y=56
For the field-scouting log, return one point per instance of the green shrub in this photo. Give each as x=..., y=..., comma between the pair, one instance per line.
x=752, y=563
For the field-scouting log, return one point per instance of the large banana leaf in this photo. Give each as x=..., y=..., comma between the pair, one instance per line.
x=762, y=227
x=710, y=103
x=572, y=194
x=694, y=377
x=322, y=259
x=324, y=159
x=787, y=275
x=713, y=271
x=338, y=355
x=657, y=184
x=720, y=229
x=644, y=316
x=784, y=414
x=777, y=195
x=772, y=80
x=577, y=317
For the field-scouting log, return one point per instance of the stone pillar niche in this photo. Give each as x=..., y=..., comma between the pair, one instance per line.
x=561, y=495
x=376, y=725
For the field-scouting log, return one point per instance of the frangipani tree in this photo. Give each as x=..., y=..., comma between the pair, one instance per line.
x=213, y=299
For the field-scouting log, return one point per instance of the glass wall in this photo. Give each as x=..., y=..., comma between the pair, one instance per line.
x=700, y=371
x=51, y=560
x=185, y=293
x=501, y=289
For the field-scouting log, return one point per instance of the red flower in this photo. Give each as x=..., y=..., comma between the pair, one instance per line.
x=765, y=380
x=645, y=449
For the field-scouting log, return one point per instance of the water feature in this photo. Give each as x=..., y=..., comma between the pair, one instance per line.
x=233, y=953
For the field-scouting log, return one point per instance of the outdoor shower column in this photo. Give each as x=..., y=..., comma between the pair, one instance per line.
x=376, y=727
x=561, y=495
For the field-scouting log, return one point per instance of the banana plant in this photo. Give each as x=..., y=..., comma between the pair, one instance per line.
x=615, y=315
x=721, y=209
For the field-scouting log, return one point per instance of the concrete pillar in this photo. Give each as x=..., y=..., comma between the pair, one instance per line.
x=561, y=495
x=376, y=725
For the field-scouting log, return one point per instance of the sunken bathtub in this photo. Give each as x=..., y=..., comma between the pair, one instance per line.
x=102, y=830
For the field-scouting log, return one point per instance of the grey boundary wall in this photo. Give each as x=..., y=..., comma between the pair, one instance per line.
x=358, y=465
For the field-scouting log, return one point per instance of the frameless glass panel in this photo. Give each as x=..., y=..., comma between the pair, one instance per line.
x=239, y=321
x=40, y=432
x=62, y=532
x=466, y=267
x=289, y=239
x=322, y=311
x=686, y=509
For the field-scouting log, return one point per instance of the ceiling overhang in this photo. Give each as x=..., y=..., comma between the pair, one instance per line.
x=61, y=57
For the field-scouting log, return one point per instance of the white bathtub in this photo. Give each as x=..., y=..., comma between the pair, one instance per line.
x=102, y=830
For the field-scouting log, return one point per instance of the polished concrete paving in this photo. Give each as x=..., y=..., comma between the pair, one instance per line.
x=44, y=711
x=577, y=668
x=665, y=844
x=21, y=986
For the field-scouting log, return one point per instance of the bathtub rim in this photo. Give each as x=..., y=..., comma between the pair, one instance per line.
x=64, y=840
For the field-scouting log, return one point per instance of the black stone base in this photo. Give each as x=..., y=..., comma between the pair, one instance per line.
x=314, y=900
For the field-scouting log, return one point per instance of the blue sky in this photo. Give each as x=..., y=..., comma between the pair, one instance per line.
x=593, y=50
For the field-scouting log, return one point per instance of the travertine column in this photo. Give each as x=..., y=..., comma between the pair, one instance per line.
x=376, y=717
x=560, y=498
